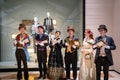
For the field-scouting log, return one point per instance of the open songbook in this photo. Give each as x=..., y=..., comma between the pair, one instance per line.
x=100, y=43
x=21, y=43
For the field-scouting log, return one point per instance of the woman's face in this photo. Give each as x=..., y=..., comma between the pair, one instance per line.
x=86, y=34
x=22, y=30
x=57, y=35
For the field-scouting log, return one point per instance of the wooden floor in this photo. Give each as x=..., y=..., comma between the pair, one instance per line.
x=34, y=74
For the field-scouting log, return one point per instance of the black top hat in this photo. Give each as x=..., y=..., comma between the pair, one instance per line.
x=103, y=27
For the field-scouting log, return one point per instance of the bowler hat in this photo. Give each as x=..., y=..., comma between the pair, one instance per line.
x=41, y=27
x=103, y=27
x=70, y=28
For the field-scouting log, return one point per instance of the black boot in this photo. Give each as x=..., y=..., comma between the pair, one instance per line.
x=40, y=76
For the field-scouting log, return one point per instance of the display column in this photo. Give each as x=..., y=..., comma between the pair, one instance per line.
x=0, y=34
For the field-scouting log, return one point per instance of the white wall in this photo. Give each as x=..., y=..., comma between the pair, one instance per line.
x=105, y=12
x=99, y=12
x=116, y=35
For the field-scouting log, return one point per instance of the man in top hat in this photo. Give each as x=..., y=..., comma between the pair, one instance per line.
x=21, y=42
x=71, y=52
x=103, y=55
x=42, y=42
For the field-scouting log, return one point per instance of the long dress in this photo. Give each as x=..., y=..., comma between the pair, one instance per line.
x=55, y=62
x=87, y=67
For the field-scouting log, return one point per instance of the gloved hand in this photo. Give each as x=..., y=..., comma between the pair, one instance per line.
x=15, y=42
x=66, y=44
x=26, y=41
x=77, y=43
x=41, y=44
x=36, y=43
x=74, y=46
x=21, y=43
x=54, y=42
x=95, y=46
x=106, y=46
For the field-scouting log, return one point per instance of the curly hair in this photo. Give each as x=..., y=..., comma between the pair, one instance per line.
x=21, y=26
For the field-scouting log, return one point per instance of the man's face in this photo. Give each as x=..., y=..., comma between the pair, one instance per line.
x=40, y=30
x=22, y=30
x=70, y=32
x=102, y=32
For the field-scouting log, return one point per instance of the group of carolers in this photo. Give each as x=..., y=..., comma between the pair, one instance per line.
x=71, y=45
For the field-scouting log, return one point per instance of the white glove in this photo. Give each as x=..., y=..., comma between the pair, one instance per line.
x=21, y=42
x=26, y=41
x=77, y=43
x=54, y=42
x=36, y=43
x=106, y=46
x=94, y=46
x=41, y=44
x=66, y=44
x=74, y=46
x=15, y=42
